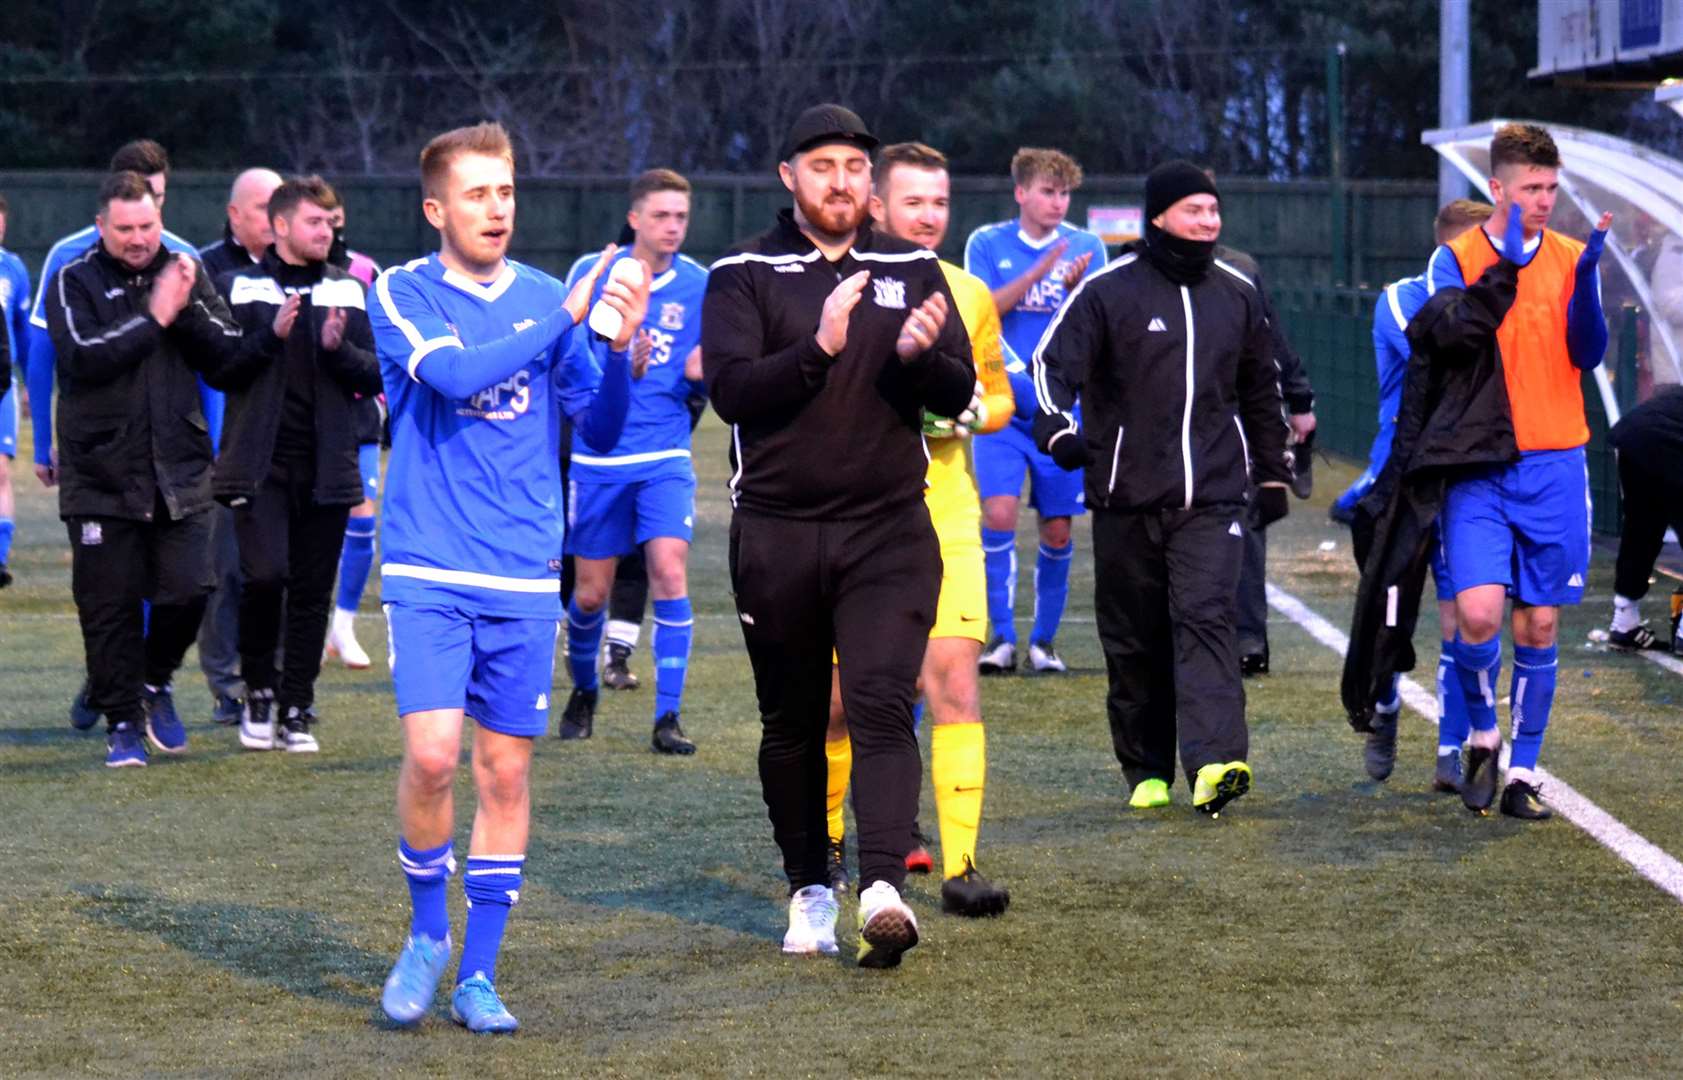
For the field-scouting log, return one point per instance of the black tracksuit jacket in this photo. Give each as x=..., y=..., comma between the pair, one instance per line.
x=255, y=407
x=1180, y=395
x=819, y=437
x=130, y=427
x=1454, y=417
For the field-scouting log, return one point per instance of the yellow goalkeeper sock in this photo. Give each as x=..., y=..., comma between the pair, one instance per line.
x=839, y=753
x=958, y=766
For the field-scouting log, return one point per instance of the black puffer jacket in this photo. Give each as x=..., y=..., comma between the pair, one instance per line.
x=1454, y=417
x=130, y=427
x=255, y=407
x=1179, y=392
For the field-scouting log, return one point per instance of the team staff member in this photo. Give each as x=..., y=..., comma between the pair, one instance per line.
x=1523, y=529
x=823, y=342
x=911, y=200
x=1650, y=444
x=1169, y=351
x=130, y=324
x=289, y=461
x=245, y=235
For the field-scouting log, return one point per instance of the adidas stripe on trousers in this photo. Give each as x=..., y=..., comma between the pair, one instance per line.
x=867, y=588
x=1165, y=596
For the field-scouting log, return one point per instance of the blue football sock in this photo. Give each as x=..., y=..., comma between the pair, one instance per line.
x=1051, y=590
x=492, y=884
x=355, y=561
x=1453, y=724
x=6, y=527
x=428, y=873
x=999, y=559
x=1531, y=702
x=674, y=626
x=1478, y=666
x=584, y=638
x=1392, y=703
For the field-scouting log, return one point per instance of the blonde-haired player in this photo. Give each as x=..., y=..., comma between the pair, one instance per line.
x=910, y=200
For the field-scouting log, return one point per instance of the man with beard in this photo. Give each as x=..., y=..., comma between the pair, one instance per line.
x=823, y=343
x=288, y=466
x=1169, y=350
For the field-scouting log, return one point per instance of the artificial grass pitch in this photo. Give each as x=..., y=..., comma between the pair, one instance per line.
x=234, y=913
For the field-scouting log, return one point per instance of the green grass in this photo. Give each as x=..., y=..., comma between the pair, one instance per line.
x=234, y=914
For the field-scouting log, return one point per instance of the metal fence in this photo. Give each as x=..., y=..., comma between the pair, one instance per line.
x=1332, y=328
x=1290, y=225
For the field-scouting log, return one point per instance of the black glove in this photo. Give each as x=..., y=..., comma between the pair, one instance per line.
x=1070, y=451
x=1271, y=505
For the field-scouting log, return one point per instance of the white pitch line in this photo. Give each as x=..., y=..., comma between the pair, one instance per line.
x=1644, y=856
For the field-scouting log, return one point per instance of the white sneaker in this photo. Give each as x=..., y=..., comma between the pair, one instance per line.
x=341, y=639
x=887, y=927
x=1000, y=656
x=812, y=922
x=257, y=722
x=1043, y=659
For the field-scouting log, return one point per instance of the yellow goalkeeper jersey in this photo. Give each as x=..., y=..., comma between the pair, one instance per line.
x=954, y=502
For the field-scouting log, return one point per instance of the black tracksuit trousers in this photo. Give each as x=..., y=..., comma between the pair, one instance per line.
x=1165, y=587
x=1653, y=501
x=289, y=554
x=115, y=564
x=867, y=588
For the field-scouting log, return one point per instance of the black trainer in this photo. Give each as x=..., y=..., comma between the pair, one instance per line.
x=972, y=895
x=1447, y=776
x=1380, y=754
x=579, y=718
x=837, y=867
x=1478, y=784
x=616, y=674
x=1636, y=639
x=1255, y=663
x=668, y=737
x=1521, y=800
x=5, y=576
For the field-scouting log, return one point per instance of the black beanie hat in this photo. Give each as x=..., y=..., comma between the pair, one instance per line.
x=1173, y=181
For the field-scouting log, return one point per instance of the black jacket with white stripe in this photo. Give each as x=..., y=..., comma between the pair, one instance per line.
x=256, y=405
x=816, y=436
x=130, y=427
x=1179, y=392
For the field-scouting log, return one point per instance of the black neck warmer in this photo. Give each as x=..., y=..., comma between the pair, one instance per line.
x=1184, y=262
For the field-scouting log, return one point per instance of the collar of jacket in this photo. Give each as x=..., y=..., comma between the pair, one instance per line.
x=234, y=245
x=124, y=270
x=791, y=237
x=1182, y=261
x=288, y=275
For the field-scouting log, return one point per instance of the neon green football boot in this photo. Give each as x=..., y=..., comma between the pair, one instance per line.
x=1149, y=794
x=1217, y=785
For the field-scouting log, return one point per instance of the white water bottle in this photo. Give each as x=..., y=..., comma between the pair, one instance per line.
x=604, y=320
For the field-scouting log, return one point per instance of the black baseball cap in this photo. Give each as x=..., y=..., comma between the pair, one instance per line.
x=826, y=124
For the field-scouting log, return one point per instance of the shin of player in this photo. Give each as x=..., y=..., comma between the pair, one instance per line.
x=1031, y=263
x=1522, y=530
x=641, y=494
x=473, y=353
x=911, y=200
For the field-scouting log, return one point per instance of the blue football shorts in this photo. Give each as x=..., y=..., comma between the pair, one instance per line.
x=608, y=520
x=1525, y=526
x=498, y=670
x=1004, y=457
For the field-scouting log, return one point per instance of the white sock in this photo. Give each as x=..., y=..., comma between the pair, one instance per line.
x=622, y=632
x=1625, y=617
x=1486, y=740
x=1522, y=774
x=342, y=619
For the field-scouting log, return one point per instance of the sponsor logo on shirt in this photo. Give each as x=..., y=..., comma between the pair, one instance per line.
x=790, y=268
x=890, y=292
x=524, y=324
x=507, y=400
x=672, y=316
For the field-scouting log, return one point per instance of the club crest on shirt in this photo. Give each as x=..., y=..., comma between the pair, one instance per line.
x=672, y=316
x=890, y=292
